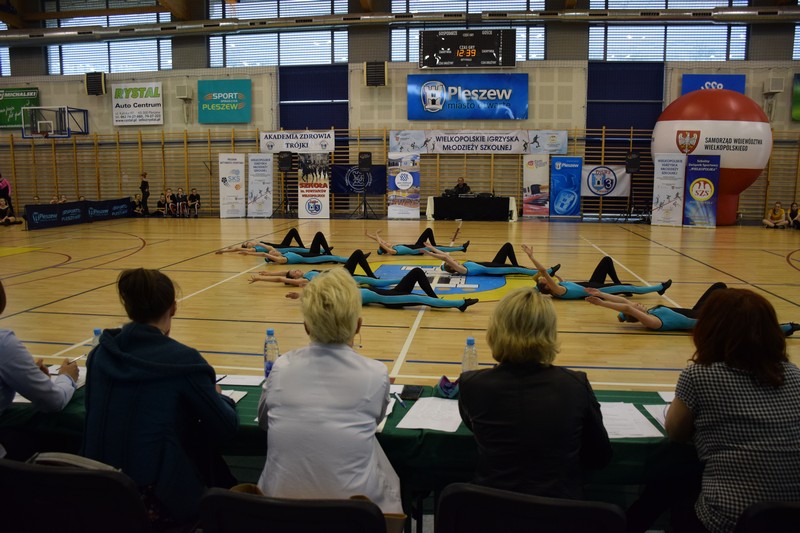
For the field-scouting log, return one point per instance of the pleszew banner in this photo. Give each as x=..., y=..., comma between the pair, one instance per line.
x=438, y=96
x=605, y=180
x=297, y=141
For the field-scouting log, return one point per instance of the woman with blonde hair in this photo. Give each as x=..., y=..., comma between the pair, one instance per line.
x=321, y=405
x=537, y=425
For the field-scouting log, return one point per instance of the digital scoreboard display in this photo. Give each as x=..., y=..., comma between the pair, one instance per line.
x=467, y=48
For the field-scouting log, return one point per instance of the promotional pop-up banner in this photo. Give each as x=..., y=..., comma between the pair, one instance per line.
x=700, y=191
x=547, y=142
x=297, y=141
x=137, y=104
x=403, y=185
x=437, y=96
x=668, y=177
x=565, y=186
x=231, y=186
x=478, y=141
x=313, y=186
x=536, y=185
x=605, y=180
x=259, y=185
x=224, y=101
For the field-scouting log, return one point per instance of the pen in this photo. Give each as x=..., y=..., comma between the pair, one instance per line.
x=399, y=399
x=77, y=359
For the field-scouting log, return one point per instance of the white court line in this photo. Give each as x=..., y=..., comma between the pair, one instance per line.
x=663, y=386
x=87, y=341
x=634, y=274
x=401, y=357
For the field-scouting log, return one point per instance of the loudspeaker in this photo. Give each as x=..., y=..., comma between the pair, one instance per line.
x=285, y=161
x=375, y=73
x=95, y=83
x=632, y=163
x=365, y=161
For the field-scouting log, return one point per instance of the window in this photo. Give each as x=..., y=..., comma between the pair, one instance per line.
x=286, y=48
x=796, y=49
x=405, y=41
x=5, y=61
x=115, y=56
x=670, y=42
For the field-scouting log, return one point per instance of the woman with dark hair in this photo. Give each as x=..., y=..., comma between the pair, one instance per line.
x=144, y=186
x=153, y=408
x=740, y=404
x=793, y=216
x=538, y=426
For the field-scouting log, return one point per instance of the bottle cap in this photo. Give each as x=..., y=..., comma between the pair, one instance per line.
x=270, y=331
x=470, y=341
x=98, y=331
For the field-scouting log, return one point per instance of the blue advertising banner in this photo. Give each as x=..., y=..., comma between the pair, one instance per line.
x=346, y=179
x=224, y=101
x=565, y=186
x=437, y=96
x=40, y=216
x=700, y=193
x=403, y=185
x=694, y=82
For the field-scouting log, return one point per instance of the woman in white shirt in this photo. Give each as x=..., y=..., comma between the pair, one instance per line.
x=322, y=404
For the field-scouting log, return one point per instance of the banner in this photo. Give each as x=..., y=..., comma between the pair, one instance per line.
x=259, y=185
x=137, y=104
x=700, y=191
x=11, y=103
x=40, y=216
x=403, y=185
x=437, y=96
x=231, y=186
x=565, y=186
x=605, y=180
x=668, y=179
x=224, y=101
x=547, y=142
x=796, y=97
x=346, y=179
x=695, y=82
x=313, y=186
x=297, y=141
x=536, y=185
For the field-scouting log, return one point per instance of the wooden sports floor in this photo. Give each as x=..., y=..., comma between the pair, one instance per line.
x=60, y=285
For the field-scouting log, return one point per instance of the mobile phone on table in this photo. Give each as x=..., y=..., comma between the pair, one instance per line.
x=411, y=392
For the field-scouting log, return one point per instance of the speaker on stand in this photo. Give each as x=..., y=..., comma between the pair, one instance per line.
x=633, y=163
x=365, y=167
x=284, y=166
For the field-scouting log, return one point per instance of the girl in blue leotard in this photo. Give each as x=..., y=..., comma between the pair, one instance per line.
x=298, y=278
x=503, y=264
x=569, y=290
x=385, y=247
x=661, y=317
x=263, y=248
x=402, y=296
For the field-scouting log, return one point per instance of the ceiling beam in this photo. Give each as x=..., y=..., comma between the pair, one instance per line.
x=178, y=8
x=11, y=20
x=49, y=15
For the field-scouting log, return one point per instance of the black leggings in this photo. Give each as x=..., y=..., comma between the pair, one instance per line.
x=291, y=235
x=426, y=235
x=406, y=286
x=695, y=311
x=319, y=246
x=505, y=253
x=358, y=258
x=605, y=268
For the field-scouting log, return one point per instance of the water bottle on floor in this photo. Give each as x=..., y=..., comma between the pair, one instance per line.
x=470, y=359
x=271, y=351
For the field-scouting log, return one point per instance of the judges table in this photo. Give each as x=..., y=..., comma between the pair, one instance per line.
x=472, y=208
x=424, y=459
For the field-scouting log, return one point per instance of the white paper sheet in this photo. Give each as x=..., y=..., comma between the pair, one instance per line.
x=624, y=421
x=432, y=413
x=234, y=395
x=53, y=369
x=395, y=388
x=659, y=412
x=241, y=381
x=667, y=396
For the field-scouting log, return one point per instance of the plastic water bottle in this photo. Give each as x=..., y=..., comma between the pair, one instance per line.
x=96, y=337
x=470, y=359
x=271, y=351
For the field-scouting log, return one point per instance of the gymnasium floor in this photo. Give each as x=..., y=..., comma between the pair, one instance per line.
x=60, y=284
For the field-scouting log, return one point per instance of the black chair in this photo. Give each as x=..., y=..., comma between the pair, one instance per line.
x=46, y=498
x=223, y=511
x=466, y=508
x=770, y=517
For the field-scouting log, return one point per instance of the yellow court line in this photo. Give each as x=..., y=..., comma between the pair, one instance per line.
x=15, y=250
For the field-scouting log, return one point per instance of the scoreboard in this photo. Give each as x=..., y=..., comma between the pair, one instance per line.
x=467, y=48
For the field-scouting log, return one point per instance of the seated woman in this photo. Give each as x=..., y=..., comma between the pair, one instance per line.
x=402, y=295
x=261, y=248
x=568, y=290
x=661, y=317
x=385, y=247
x=323, y=445
x=496, y=267
x=7, y=213
x=153, y=408
x=161, y=206
x=739, y=403
x=538, y=426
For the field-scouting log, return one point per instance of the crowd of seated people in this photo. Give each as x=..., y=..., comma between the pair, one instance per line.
x=172, y=204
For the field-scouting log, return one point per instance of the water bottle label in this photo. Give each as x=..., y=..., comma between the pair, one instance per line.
x=267, y=367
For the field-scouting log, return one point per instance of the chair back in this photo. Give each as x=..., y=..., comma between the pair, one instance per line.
x=467, y=508
x=223, y=511
x=47, y=498
x=770, y=517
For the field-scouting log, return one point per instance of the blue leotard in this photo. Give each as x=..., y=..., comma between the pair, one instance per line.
x=297, y=259
x=576, y=291
x=259, y=248
x=672, y=320
x=370, y=297
x=361, y=280
x=476, y=269
x=402, y=249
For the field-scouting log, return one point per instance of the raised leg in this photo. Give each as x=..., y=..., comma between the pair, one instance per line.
x=605, y=268
x=415, y=277
x=357, y=258
x=506, y=255
x=424, y=237
x=718, y=285
x=319, y=245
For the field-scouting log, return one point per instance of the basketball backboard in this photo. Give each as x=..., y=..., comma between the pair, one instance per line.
x=56, y=122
